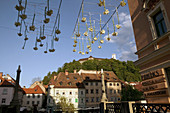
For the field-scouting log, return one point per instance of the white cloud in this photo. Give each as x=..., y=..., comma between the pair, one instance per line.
x=124, y=41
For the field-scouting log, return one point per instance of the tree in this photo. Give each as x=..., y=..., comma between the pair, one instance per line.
x=36, y=79
x=130, y=94
x=65, y=106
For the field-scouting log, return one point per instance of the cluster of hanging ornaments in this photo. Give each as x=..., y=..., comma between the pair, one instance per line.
x=91, y=29
x=21, y=21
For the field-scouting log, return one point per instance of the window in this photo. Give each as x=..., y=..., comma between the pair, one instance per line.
x=75, y=78
x=86, y=83
x=69, y=83
x=118, y=99
x=87, y=91
x=3, y=100
x=110, y=84
x=114, y=91
x=117, y=84
x=76, y=93
x=33, y=96
x=92, y=91
x=97, y=91
x=67, y=78
x=87, y=99
x=159, y=23
x=118, y=91
x=114, y=84
x=57, y=92
x=91, y=83
x=4, y=91
x=63, y=93
x=81, y=92
x=70, y=93
x=87, y=78
x=111, y=99
x=38, y=96
x=92, y=99
x=81, y=100
x=32, y=102
x=28, y=102
x=97, y=99
x=70, y=100
x=96, y=83
x=111, y=91
x=76, y=100
x=38, y=102
x=61, y=83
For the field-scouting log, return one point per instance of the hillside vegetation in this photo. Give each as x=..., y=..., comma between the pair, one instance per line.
x=125, y=71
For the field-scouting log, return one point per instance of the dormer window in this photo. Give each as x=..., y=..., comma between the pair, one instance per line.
x=87, y=78
x=69, y=83
x=61, y=83
x=75, y=78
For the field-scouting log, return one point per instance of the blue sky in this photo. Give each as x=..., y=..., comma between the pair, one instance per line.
x=36, y=63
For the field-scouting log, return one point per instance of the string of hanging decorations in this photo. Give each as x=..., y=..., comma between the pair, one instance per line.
x=93, y=22
x=40, y=20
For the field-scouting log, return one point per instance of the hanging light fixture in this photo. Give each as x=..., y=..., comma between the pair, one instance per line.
x=101, y=3
x=18, y=23
x=32, y=28
x=108, y=38
x=118, y=26
x=43, y=36
x=46, y=48
x=49, y=12
x=91, y=28
x=102, y=31
x=106, y=11
x=86, y=33
x=24, y=16
x=122, y=3
x=57, y=31
x=20, y=34
x=114, y=33
x=83, y=18
x=78, y=34
x=36, y=48
x=20, y=7
x=46, y=20
x=95, y=38
x=38, y=39
x=26, y=38
x=79, y=47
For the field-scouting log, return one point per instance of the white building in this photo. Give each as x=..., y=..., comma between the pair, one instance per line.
x=7, y=86
x=33, y=96
x=68, y=85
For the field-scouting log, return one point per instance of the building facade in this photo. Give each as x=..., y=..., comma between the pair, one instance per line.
x=33, y=96
x=83, y=89
x=7, y=87
x=151, y=25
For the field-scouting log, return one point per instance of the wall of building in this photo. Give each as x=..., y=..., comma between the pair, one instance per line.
x=8, y=96
x=28, y=99
x=153, y=51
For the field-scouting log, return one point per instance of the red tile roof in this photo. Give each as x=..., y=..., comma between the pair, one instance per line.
x=74, y=80
x=35, y=90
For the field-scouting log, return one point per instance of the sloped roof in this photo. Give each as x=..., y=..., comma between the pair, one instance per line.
x=5, y=83
x=72, y=80
x=35, y=90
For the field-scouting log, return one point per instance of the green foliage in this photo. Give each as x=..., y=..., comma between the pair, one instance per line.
x=65, y=106
x=130, y=94
x=125, y=71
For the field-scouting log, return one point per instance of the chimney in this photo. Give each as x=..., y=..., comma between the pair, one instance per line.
x=55, y=77
x=66, y=72
x=114, y=56
x=75, y=71
x=1, y=73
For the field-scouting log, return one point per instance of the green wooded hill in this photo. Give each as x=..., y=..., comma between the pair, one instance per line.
x=125, y=71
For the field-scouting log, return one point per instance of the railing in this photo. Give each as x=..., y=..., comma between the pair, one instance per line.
x=150, y=108
x=113, y=107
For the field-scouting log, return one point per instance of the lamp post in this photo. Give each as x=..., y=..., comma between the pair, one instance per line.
x=104, y=98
